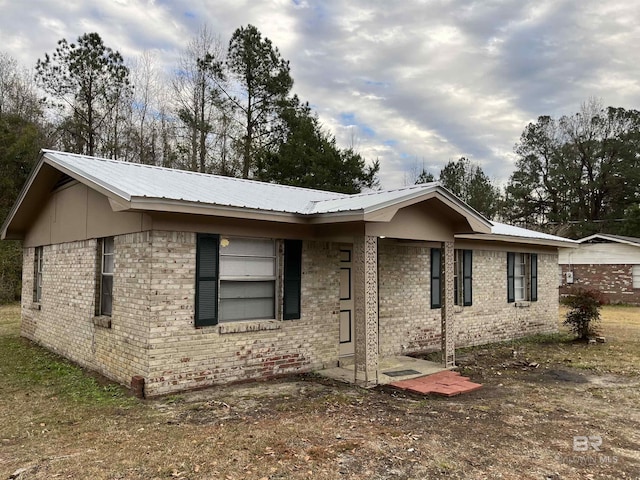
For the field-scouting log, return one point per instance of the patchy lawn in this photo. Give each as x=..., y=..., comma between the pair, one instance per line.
x=58, y=422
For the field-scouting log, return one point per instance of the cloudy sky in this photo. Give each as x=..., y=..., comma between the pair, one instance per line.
x=411, y=83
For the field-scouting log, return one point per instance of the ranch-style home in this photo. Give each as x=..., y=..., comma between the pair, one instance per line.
x=187, y=280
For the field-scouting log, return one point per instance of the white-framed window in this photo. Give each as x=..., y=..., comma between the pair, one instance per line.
x=462, y=276
x=522, y=277
x=107, y=264
x=636, y=276
x=247, y=279
x=38, y=263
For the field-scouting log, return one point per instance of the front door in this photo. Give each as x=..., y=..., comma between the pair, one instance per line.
x=346, y=302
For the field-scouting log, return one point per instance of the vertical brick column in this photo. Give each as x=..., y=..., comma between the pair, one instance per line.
x=365, y=286
x=448, y=326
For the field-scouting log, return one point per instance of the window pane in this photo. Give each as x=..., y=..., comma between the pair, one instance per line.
x=247, y=266
x=108, y=245
x=636, y=276
x=246, y=300
x=261, y=247
x=107, y=266
x=247, y=289
x=106, y=296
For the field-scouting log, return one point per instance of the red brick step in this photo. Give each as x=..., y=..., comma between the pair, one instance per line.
x=446, y=383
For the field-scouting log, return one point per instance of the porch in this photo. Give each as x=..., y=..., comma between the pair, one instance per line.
x=390, y=370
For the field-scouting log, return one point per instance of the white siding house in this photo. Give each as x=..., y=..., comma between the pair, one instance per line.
x=609, y=264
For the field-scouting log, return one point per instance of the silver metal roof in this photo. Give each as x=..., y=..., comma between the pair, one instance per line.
x=511, y=231
x=141, y=184
x=133, y=180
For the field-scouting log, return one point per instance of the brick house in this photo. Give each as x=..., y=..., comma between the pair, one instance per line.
x=607, y=263
x=190, y=280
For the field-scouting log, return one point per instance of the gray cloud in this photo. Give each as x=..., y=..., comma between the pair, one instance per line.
x=428, y=80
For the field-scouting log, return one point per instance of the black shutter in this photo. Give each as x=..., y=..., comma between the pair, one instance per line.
x=534, y=277
x=292, y=279
x=511, y=270
x=436, y=283
x=467, y=270
x=207, y=267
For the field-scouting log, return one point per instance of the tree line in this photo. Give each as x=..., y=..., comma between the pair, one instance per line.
x=574, y=176
x=224, y=109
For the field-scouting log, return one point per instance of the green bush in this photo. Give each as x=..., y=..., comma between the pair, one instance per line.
x=584, y=312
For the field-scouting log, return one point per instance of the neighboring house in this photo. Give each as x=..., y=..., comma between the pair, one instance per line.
x=607, y=263
x=190, y=280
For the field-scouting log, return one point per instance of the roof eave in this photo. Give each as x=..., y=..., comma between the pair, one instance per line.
x=609, y=238
x=106, y=189
x=523, y=240
x=5, y=233
x=164, y=205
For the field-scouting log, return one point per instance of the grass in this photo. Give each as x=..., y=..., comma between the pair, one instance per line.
x=58, y=421
x=26, y=365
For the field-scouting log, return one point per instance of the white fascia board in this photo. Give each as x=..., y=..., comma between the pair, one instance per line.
x=97, y=184
x=524, y=240
x=147, y=204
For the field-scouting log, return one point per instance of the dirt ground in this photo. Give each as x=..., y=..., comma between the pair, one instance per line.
x=549, y=409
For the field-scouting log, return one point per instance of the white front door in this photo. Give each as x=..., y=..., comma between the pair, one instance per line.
x=346, y=302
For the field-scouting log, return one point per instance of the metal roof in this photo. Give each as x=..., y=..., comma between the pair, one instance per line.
x=148, y=187
x=133, y=180
x=512, y=231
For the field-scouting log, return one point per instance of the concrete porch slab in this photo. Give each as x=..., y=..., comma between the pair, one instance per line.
x=346, y=372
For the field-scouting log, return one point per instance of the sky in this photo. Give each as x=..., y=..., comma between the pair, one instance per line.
x=411, y=83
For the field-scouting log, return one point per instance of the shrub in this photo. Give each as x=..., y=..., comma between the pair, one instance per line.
x=584, y=312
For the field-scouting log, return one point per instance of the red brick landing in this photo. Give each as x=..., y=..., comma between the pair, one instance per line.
x=446, y=383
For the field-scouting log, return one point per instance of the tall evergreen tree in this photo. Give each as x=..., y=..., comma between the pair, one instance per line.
x=265, y=82
x=469, y=182
x=304, y=155
x=85, y=82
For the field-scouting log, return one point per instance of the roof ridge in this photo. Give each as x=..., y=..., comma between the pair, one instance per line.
x=189, y=172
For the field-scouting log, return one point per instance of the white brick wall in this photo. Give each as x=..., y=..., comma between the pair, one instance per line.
x=408, y=324
x=181, y=356
x=152, y=330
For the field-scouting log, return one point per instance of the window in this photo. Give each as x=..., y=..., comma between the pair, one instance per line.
x=106, y=275
x=462, y=277
x=37, y=274
x=247, y=279
x=236, y=279
x=463, y=268
x=522, y=277
x=636, y=276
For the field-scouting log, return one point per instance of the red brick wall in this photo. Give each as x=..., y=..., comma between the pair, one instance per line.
x=614, y=282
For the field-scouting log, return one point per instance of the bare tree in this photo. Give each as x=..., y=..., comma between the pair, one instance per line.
x=198, y=105
x=18, y=93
